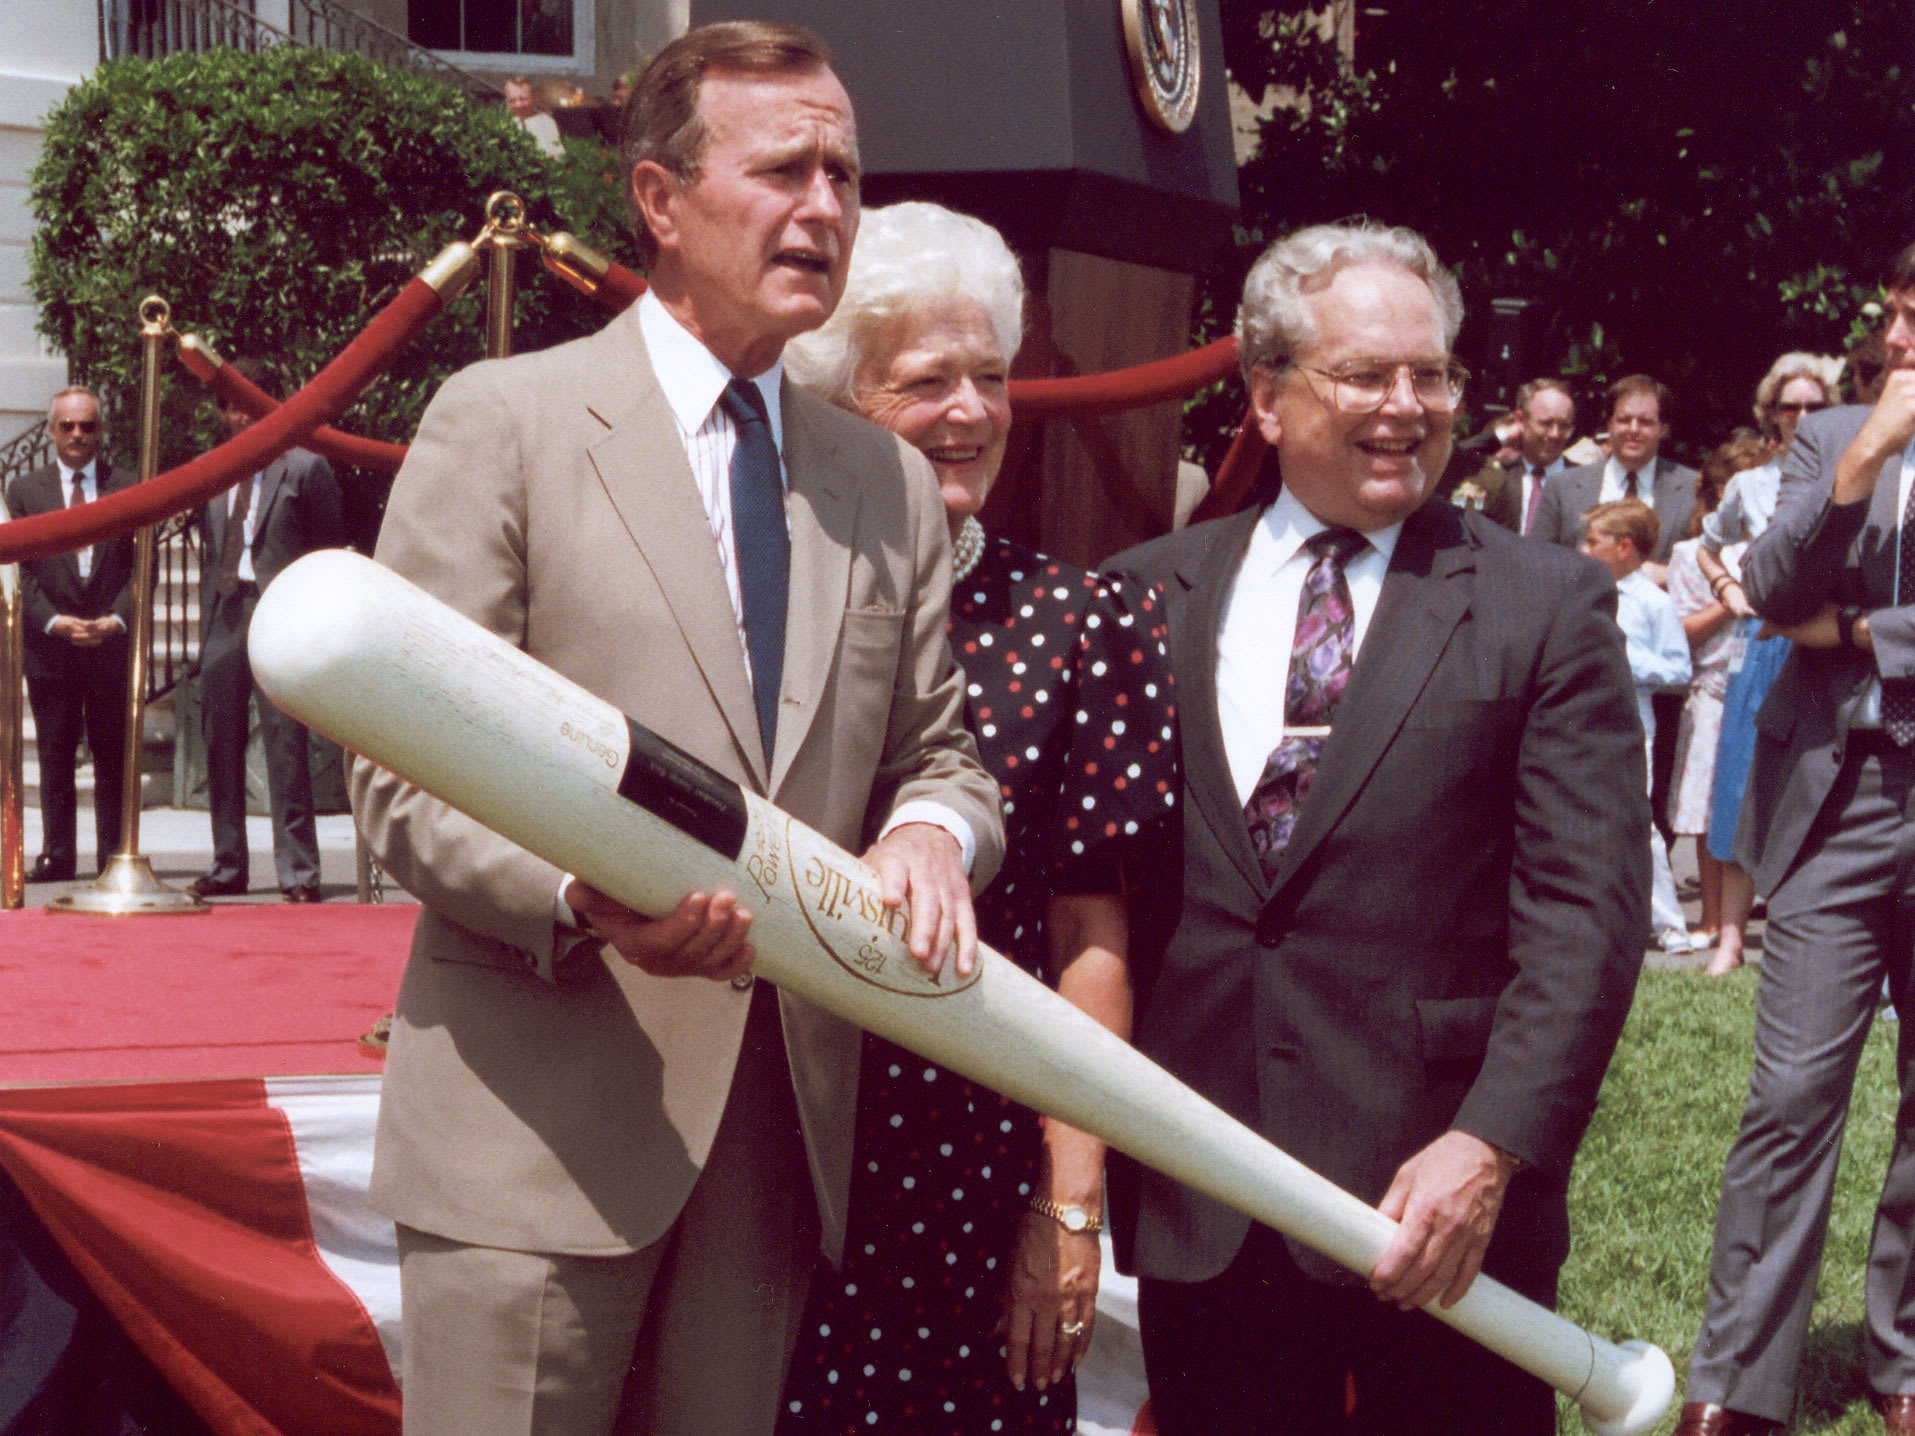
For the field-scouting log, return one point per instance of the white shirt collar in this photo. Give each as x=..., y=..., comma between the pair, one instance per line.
x=90, y=474
x=1288, y=525
x=690, y=375
x=1614, y=474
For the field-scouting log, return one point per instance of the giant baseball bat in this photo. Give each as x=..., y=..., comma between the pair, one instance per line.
x=375, y=663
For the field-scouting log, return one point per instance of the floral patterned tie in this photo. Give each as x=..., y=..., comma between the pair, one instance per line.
x=1320, y=662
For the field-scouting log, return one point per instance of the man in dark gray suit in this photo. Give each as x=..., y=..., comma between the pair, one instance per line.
x=1825, y=830
x=1638, y=423
x=1414, y=883
x=247, y=535
x=79, y=610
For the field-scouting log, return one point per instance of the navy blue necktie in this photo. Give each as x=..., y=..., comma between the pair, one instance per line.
x=763, y=546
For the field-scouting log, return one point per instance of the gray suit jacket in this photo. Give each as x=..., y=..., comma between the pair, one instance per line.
x=548, y=1097
x=1574, y=492
x=1813, y=554
x=1454, y=933
x=296, y=501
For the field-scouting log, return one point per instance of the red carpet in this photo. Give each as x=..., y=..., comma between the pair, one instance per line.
x=248, y=990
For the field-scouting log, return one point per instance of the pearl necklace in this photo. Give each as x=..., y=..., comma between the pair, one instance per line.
x=966, y=549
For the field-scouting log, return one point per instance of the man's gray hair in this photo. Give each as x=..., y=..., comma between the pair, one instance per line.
x=908, y=256
x=68, y=393
x=1274, y=321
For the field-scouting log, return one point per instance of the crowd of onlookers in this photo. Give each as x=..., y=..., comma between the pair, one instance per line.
x=1674, y=539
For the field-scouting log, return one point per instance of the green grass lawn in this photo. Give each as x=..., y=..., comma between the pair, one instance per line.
x=1642, y=1203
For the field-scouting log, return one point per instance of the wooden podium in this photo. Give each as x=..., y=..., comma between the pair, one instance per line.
x=1033, y=115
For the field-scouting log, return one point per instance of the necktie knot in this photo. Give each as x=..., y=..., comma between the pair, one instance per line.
x=1339, y=544
x=744, y=403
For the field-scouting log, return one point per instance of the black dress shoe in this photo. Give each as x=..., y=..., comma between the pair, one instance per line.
x=207, y=885
x=301, y=892
x=46, y=870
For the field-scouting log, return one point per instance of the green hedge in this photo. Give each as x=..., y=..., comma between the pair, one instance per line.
x=278, y=201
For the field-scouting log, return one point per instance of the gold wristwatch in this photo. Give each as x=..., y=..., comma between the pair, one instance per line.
x=1071, y=1218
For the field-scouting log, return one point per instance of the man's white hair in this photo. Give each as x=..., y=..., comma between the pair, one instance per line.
x=908, y=256
x=1274, y=321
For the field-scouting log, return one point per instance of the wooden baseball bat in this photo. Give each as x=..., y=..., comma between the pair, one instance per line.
x=377, y=664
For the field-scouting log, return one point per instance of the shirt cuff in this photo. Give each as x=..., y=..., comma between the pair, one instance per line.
x=923, y=810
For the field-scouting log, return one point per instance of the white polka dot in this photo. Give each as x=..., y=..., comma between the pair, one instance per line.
x=1043, y=695
x=908, y=1282
x=876, y=1335
x=985, y=1172
x=948, y=1406
x=957, y=1194
x=1060, y=593
x=851, y=1288
x=1017, y=668
x=870, y=1250
x=824, y=1329
x=989, y=730
x=1089, y=802
x=1077, y=846
x=984, y=640
x=1003, y=1126
x=832, y=1377
x=976, y=690
x=924, y=1333
x=1092, y=621
x=917, y=1229
x=904, y=1374
x=990, y=1263
x=896, y=1120
x=1082, y=716
x=1133, y=771
x=1131, y=826
x=1099, y=668
x=1037, y=640
x=908, y=1183
x=1017, y=575
x=950, y=1258
x=964, y=1351
x=930, y=1074
x=872, y=1371
x=896, y=1071
x=944, y=1149
x=870, y=1417
x=1117, y=727
x=1026, y=611
x=794, y=1407
x=1150, y=690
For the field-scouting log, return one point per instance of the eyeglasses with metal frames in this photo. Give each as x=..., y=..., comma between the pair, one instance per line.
x=1364, y=385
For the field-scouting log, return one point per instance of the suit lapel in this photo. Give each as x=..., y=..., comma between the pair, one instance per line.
x=266, y=491
x=1424, y=597
x=821, y=508
x=642, y=465
x=1208, y=577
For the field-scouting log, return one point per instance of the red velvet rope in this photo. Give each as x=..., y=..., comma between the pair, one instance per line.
x=1236, y=475
x=197, y=480
x=353, y=450
x=1177, y=377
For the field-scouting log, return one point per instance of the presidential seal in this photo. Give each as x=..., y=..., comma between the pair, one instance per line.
x=1161, y=38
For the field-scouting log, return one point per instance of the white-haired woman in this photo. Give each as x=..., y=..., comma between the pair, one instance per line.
x=969, y=1284
x=1796, y=384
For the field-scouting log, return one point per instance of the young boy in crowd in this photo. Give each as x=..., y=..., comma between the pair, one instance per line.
x=1620, y=536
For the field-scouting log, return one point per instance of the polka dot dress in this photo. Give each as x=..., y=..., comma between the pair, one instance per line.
x=1070, y=698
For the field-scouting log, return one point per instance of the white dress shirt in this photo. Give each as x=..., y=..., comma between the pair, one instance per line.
x=248, y=531
x=1614, y=487
x=1532, y=487
x=89, y=491
x=1260, y=624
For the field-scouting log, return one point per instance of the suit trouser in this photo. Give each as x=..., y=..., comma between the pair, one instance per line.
x=690, y=1336
x=226, y=693
x=1265, y=1350
x=1839, y=923
x=91, y=698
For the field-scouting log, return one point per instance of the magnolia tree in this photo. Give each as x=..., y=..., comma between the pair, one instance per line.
x=277, y=201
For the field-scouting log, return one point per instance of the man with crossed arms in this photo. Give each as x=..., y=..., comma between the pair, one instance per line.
x=612, y=1154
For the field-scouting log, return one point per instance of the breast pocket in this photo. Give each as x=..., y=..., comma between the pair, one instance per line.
x=870, y=650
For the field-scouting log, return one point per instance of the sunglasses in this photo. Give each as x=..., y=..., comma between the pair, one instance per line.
x=77, y=426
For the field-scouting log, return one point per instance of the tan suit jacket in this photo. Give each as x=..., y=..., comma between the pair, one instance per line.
x=560, y=1100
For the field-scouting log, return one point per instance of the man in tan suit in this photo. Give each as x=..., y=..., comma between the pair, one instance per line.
x=611, y=1179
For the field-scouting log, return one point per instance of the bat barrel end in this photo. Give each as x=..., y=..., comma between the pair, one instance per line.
x=1640, y=1385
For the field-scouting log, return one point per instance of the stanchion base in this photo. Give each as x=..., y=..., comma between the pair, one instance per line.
x=125, y=887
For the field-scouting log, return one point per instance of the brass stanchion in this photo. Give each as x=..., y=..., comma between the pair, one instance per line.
x=502, y=238
x=13, y=739
x=126, y=883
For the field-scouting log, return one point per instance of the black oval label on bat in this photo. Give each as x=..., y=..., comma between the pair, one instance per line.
x=698, y=800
